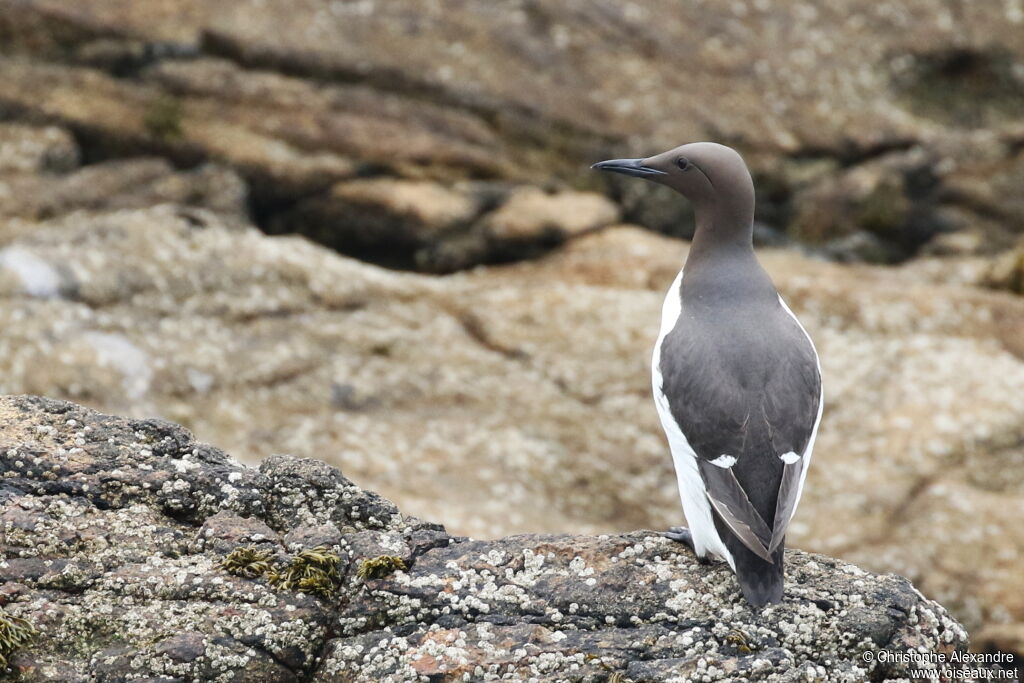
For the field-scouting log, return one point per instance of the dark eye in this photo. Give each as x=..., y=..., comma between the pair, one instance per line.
x=683, y=163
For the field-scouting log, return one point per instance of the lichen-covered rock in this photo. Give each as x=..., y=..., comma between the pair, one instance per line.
x=531, y=215
x=297, y=96
x=41, y=178
x=113, y=185
x=1007, y=271
x=386, y=217
x=35, y=149
x=517, y=398
x=118, y=546
x=424, y=224
x=870, y=197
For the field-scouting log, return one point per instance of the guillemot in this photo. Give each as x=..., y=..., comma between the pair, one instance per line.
x=736, y=378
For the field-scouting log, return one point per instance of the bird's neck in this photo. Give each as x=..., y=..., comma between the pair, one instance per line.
x=721, y=268
x=723, y=229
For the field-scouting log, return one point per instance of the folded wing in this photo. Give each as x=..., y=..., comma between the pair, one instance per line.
x=733, y=505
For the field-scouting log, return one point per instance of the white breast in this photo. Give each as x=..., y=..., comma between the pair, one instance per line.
x=691, y=487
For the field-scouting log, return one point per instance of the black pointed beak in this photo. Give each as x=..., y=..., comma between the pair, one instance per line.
x=632, y=167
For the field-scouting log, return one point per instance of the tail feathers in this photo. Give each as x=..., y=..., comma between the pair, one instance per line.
x=761, y=582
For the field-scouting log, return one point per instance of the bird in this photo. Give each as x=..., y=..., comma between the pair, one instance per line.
x=736, y=378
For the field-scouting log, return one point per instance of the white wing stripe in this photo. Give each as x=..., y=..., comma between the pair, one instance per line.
x=817, y=421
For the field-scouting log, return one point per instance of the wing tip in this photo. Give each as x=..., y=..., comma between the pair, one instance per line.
x=747, y=536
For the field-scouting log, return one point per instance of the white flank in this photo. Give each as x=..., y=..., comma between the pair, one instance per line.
x=724, y=461
x=817, y=420
x=691, y=487
x=789, y=458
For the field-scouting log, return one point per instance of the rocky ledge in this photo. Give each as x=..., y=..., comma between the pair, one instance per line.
x=132, y=552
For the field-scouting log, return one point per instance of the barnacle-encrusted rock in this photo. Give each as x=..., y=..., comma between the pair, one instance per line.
x=517, y=398
x=100, y=518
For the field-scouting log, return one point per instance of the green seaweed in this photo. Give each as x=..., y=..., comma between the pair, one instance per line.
x=312, y=571
x=378, y=567
x=739, y=639
x=247, y=562
x=15, y=632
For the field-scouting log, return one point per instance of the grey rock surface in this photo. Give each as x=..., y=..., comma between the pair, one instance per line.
x=113, y=533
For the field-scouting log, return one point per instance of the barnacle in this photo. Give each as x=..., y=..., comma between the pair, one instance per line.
x=14, y=633
x=247, y=561
x=311, y=571
x=378, y=567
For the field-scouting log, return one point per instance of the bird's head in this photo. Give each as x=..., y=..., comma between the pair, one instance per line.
x=712, y=176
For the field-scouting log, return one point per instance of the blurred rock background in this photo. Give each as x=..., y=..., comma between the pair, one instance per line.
x=366, y=232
